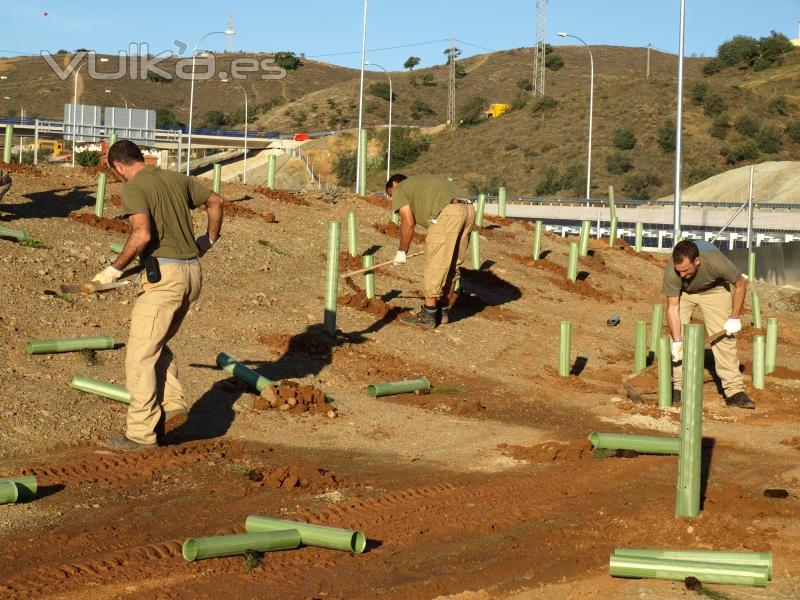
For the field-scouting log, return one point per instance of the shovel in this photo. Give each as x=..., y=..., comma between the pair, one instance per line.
x=91, y=288
x=378, y=266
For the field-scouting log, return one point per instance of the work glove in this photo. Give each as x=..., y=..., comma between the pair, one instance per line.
x=204, y=244
x=733, y=326
x=399, y=258
x=107, y=275
x=677, y=351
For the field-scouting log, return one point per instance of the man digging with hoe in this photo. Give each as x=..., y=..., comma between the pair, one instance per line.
x=158, y=205
x=435, y=202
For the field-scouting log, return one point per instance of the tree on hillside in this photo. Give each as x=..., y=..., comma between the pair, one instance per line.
x=624, y=138
x=747, y=52
x=666, y=136
x=471, y=112
x=380, y=90
x=452, y=54
x=287, y=60
x=739, y=50
x=166, y=119
x=411, y=62
x=215, y=119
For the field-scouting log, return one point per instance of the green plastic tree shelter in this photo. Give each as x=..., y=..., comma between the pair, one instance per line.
x=8, y=143
x=322, y=536
x=332, y=277
x=756, y=308
x=217, y=181
x=537, y=240
x=771, y=354
x=640, y=346
x=480, y=210
x=637, y=240
x=644, y=444
x=572, y=262
x=727, y=557
x=398, y=387
x=584, y=238
x=641, y=567
x=612, y=209
x=231, y=545
x=8, y=492
x=758, y=362
x=501, y=202
x=475, y=249
x=26, y=486
x=116, y=247
x=564, y=348
x=751, y=266
x=368, y=261
x=664, y=358
x=612, y=233
x=13, y=233
x=54, y=346
x=352, y=234
x=271, y=171
x=100, y=200
x=112, y=391
x=656, y=324
x=112, y=139
x=230, y=365
x=687, y=502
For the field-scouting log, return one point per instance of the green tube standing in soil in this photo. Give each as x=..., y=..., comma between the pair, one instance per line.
x=612, y=233
x=656, y=324
x=112, y=139
x=564, y=348
x=230, y=365
x=8, y=492
x=398, y=387
x=664, y=358
x=537, y=240
x=352, y=234
x=706, y=572
x=369, y=278
x=217, y=181
x=362, y=185
x=322, y=536
x=637, y=244
x=112, y=391
x=54, y=346
x=8, y=143
x=116, y=247
x=756, y=308
x=271, y=171
x=100, y=200
x=480, y=210
x=475, y=249
x=726, y=557
x=758, y=362
x=501, y=202
x=231, y=545
x=640, y=346
x=771, y=353
x=584, y=239
x=26, y=486
x=687, y=502
x=332, y=277
x=13, y=233
x=572, y=262
x=645, y=444
x=751, y=267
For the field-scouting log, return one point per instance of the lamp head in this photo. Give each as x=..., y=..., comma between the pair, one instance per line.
x=562, y=34
x=229, y=31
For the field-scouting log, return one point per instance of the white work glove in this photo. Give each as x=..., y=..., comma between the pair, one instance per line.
x=204, y=244
x=677, y=351
x=733, y=326
x=399, y=258
x=107, y=275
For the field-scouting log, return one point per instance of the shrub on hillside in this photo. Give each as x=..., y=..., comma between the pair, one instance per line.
x=44, y=155
x=744, y=151
x=640, y=187
x=520, y=101
x=618, y=163
x=698, y=173
x=793, y=131
x=215, y=119
x=747, y=126
x=574, y=180
x=769, y=140
x=543, y=104
x=407, y=145
x=715, y=105
x=380, y=90
x=166, y=119
x=427, y=80
x=88, y=158
x=778, y=106
x=665, y=137
x=711, y=67
x=287, y=60
x=739, y=50
x=549, y=183
x=420, y=109
x=624, y=138
x=553, y=61
x=345, y=168
x=774, y=46
x=524, y=84
x=719, y=128
x=699, y=92
x=471, y=112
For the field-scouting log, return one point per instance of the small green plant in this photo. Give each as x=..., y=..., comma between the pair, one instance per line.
x=720, y=126
x=778, y=106
x=618, y=163
x=711, y=67
x=345, y=168
x=525, y=85
x=624, y=138
x=31, y=243
x=714, y=105
x=89, y=356
x=240, y=469
x=549, y=183
x=64, y=297
x=253, y=559
x=510, y=147
x=747, y=126
x=699, y=92
x=769, y=140
x=666, y=136
x=640, y=187
x=88, y=158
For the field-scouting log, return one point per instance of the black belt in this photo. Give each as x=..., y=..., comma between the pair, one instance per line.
x=460, y=201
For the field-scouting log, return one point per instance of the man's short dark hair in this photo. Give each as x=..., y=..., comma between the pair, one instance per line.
x=683, y=250
x=125, y=152
x=396, y=178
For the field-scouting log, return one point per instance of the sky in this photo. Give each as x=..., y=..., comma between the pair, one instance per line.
x=330, y=31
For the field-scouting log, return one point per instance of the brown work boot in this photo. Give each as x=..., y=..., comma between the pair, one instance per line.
x=426, y=318
x=122, y=443
x=445, y=315
x=170, y=421
x=740, y=400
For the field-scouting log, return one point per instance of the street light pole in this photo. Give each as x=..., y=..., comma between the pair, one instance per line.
x=676, y=220
x=389, y=141
x=591, y=109
x=228, y=31
x=648, y=62
x=359, y=149
x=241, y=87
x=75, y=108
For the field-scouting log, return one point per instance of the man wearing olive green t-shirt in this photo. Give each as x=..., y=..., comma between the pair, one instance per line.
x=158, y=205
x=704, y=278
x=435, y=202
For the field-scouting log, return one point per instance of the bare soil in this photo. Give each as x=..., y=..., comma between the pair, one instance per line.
x=486, y=489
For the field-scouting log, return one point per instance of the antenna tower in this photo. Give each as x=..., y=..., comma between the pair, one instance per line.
x=451, y=85
x=540, y=50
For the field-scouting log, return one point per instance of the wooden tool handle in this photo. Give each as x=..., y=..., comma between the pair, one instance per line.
x=378, y=266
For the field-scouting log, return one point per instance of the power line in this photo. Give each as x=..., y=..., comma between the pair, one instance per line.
x=376, y=49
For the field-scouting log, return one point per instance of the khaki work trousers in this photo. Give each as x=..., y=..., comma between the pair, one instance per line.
x=446, y=248
x=715, y=304
x=151, y=372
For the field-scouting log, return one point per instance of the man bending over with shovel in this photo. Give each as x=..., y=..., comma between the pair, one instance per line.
x=695, y=278
x=435, y=202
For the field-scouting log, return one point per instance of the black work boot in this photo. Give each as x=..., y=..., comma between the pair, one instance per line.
x=740, y=400
x=426, y=317
x=676, y=396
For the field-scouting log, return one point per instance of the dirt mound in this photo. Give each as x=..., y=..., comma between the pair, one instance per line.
x=359, y=301
x=379, y=200
x=16, y=167
x=115, y=200
x=234, y=209
x=301, y=476
x=282, y=196
x=792, y=442
x=785, y=372
x=349, y=263
x=549, y=451
x=290, y=395
x=116, y=224
x=393, y=230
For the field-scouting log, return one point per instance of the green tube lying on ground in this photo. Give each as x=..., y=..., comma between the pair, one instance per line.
x=53, y=346
x=398, y=387
x=728, y=557
x=8, y=492
x=26, y=486
x=640, y=567
x=231, y=545
x=13, y=233
x=112, y=391
x=116, y=247
x=230, y=365
x=645, y=444
x=312, y=535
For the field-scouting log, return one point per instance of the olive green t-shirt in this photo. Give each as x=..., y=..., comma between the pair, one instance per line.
x=427, y=195
x=167, y=198
x=715, y=269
